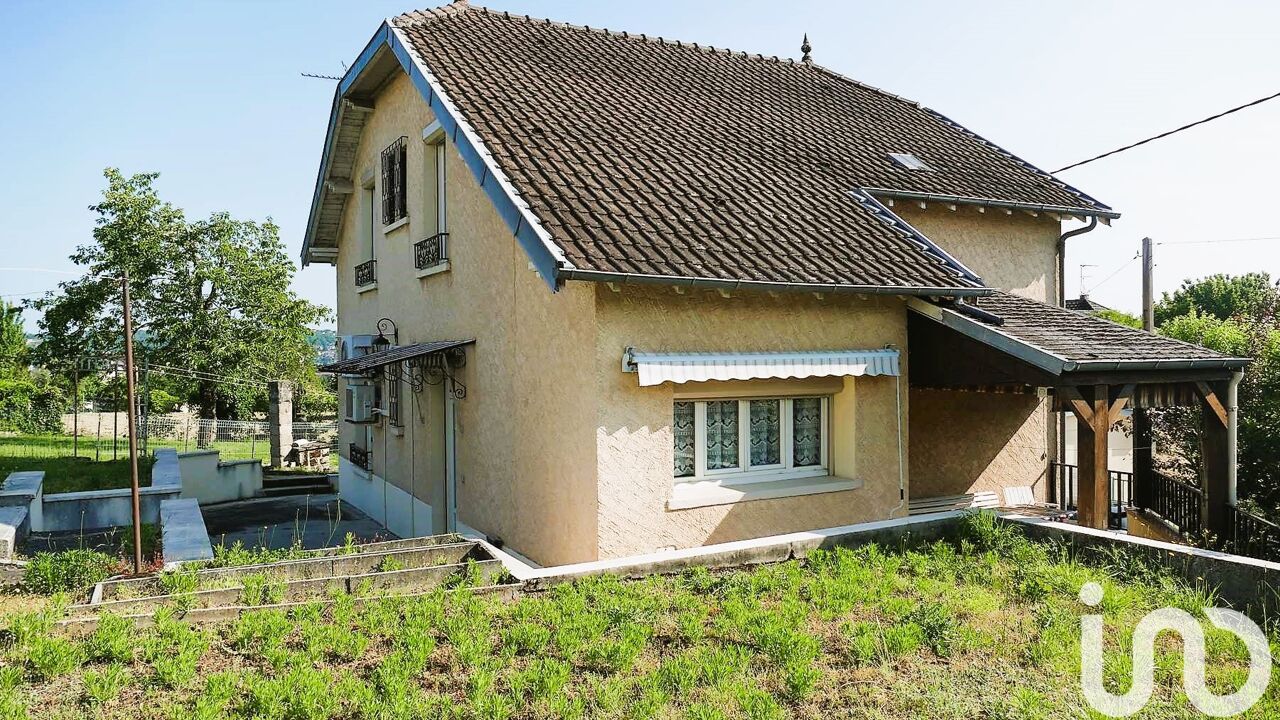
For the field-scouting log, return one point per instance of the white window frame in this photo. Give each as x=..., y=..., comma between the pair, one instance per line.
x=746, y=473
x=434, y=139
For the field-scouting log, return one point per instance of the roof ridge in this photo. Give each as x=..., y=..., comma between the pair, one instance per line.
x=457, y=7
x=417, y=17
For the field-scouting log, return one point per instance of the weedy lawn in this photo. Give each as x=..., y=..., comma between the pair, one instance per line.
x=984, y=627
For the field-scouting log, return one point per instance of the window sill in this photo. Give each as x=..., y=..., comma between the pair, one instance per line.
x=366, y=288
x=387, y=229
x=433, y=270
x=705, y=494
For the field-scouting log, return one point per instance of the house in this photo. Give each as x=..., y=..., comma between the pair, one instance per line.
x=1085, y=304
x=602, y=294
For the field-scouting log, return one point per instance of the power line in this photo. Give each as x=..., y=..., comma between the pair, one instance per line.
x=1219, y=240
x=1166, y=134
x=1113, y=274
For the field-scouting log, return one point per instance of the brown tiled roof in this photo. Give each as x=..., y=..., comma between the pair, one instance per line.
x=1081, y=339
x=651, y=157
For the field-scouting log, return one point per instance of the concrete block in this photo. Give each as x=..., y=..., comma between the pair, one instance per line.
x=182, y=532
x=166, y=473
x=14, y=525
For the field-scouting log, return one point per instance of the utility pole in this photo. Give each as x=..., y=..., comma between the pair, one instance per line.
x=1143, y=452
x=1148, y=292
x=133, y=431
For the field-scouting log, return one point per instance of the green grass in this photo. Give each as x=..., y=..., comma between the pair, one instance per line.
x=98, y=464
x=986, y=626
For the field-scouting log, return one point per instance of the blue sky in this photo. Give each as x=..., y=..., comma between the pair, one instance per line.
x=209, y=95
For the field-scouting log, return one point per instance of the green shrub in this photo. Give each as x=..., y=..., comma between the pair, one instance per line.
x=51, y=656
x=112, y=640
x=105, y=685
x=48, y=573
x=31, y=408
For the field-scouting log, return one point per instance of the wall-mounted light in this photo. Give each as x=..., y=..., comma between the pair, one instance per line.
x=382, y=342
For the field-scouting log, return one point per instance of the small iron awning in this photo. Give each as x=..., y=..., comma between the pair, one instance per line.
x=366, y=364
x=657, y=368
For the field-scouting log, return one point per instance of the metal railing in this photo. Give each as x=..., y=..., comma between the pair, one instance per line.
x=432, y=251
x=1066, y=485
x=358, y=456
x=366, y=273
x=1177, y=503
x=1248, y=534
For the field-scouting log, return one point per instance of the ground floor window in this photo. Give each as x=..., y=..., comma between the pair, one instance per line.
x=749, y=440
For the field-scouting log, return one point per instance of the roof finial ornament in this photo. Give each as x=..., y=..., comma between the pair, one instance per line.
x=805, y=47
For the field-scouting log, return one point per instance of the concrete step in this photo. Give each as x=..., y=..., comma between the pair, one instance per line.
x=311, y=489
x=290, y=479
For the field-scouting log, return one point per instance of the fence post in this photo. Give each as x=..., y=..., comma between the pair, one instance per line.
x=280, y=419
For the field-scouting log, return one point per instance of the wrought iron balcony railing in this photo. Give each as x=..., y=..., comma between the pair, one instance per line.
x=431, y=252
x=366, y=273
x=358, y=456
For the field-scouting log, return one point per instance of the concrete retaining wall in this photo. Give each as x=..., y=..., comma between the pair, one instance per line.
x=206, y=479
x=182, y=532
x=95, y=509
x=1249, y=585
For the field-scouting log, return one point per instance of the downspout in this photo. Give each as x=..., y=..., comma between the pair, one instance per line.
x=1233, y=419
x=1061, y=441
x=902, y=475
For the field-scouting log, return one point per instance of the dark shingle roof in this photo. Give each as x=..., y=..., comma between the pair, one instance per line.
x=372, y=361
x=1085, y=340
x=647, y=157
x=1084, y=304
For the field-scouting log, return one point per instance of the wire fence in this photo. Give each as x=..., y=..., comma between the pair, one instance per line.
x=104, y=436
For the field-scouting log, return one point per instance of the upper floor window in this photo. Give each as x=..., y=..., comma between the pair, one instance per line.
x=395, y=181
x=746, y=440
x=431, y=254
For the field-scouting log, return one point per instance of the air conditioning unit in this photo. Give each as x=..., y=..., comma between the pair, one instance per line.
x=354, y=346
x=361, y=404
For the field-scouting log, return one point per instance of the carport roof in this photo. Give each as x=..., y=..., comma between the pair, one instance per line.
x=1060, y=341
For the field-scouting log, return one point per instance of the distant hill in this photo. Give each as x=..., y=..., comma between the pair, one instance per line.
x=324, y=342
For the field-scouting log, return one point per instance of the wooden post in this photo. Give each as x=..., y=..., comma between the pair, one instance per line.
x=1094, y=492
x=1143, y=461
x=1213, y=448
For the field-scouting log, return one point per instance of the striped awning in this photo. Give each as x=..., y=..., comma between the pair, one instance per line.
x=657, y=368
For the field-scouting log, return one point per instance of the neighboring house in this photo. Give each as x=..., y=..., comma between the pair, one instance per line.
x=1085, y=304
x=607, y=294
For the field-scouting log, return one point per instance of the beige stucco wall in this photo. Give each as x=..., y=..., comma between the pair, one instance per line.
x=633, y=434
x=1017, y=252
x=965, y=442
x=521, y=477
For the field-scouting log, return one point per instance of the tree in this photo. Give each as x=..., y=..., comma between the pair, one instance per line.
x=1119, y=317
x=1238, y=318
x=1221, y=296
x=13, y=342
x=212, y=306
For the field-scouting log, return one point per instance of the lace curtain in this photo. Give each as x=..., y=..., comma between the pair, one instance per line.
x=766, y=432
x=806, y=431
x=722, y=434
x=683, y=430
